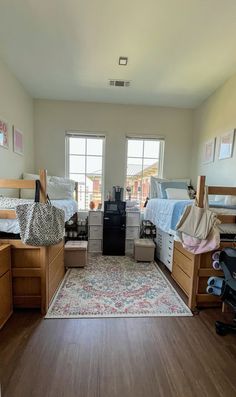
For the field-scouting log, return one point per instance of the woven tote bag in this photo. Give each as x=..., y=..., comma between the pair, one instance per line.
x=41, y=224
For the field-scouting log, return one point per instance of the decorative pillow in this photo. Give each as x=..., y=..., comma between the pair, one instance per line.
x=60, y=191
x=173, y=185
x=177, y=194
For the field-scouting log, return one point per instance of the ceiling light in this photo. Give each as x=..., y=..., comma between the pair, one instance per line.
x=123, y=61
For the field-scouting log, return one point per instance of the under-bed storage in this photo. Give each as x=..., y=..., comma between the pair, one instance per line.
x=36, y=273
x=191, y=272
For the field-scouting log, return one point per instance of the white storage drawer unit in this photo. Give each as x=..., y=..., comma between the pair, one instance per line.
x=165, y=247
x=95, y=246
x=132, y=232
x=129, y=246
x=132, y=218
x=95, y=232
x=95, y=218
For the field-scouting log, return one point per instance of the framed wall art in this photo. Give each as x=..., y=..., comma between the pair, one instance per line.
x=209, y=151
x=226, y=145
x=17, y=141
x=4, y=133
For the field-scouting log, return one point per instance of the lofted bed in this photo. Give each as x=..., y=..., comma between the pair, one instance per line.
x=36, y=271
x=190, y=271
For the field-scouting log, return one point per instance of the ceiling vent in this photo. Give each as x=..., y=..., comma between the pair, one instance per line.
x=119, y=83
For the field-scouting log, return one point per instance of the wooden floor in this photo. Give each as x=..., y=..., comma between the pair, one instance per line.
x=144, y=357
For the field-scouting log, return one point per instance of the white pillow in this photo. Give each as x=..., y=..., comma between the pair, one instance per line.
x=155, y=191
x=230, y=200
x=177, y=194
x=57, y=188
x=28, y=193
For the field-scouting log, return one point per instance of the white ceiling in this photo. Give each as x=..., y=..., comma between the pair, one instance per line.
x=179, y=51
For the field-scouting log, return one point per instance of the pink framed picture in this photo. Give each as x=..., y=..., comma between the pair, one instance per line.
x=17, y=141
x=4, y=135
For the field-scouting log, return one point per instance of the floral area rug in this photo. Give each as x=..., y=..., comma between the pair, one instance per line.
x=113, y=286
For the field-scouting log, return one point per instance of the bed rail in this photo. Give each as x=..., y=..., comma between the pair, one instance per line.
x=219, y=190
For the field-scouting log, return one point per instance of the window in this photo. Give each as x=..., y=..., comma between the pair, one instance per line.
x=144, y=159
x=85, y=165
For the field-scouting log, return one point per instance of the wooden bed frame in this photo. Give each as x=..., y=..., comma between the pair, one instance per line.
x=190, y=271
x=36, y=271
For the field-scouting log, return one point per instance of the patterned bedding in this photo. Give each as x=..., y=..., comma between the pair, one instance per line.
x=12, y=226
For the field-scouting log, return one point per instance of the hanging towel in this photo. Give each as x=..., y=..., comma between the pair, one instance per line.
x=213, y=290
x=215, y=282
x=216, y=255
x=216, y=265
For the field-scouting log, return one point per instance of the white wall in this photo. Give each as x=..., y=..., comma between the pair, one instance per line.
x=214, y=117
x=16, y=106
x=53, y=118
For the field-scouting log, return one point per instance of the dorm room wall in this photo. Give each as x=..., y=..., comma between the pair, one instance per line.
x=16, y=106
x=53, y=118
x=211, y=119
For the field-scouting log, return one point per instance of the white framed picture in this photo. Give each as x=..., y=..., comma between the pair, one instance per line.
x=209, y=151
x=226, y=145
x=17, y=141
x=4, y=134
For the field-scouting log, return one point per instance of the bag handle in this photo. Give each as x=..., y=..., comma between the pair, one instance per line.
x=37, y=193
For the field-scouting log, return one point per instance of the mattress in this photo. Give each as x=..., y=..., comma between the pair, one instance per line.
x=165, y=213
x=12, y=225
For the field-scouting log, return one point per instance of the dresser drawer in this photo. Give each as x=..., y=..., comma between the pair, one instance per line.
x=180, y=248
x=183, y=262
x=5, y=258
x=5, y=298
x=95, y=232
x=181, y=278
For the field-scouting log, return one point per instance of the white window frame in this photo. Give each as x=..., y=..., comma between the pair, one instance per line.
x=80, y=134
x=161, y=154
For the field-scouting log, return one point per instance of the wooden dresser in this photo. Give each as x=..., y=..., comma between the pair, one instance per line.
x=191, y=273
x=5, y=284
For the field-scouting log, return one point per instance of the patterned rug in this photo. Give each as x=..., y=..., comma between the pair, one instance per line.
x=113, y=286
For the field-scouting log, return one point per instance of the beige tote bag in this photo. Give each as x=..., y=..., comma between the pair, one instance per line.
x=198, y=222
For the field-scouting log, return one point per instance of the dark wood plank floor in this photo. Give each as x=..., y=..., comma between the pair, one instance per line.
x=143, y=357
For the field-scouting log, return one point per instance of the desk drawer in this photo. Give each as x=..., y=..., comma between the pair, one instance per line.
x=181, y=278
x=5, y=259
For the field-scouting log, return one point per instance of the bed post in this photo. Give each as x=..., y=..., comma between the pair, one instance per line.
x=200, y=191
x=43, y=186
